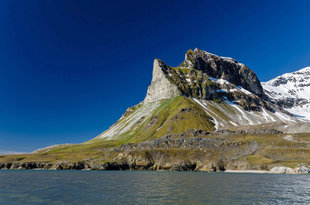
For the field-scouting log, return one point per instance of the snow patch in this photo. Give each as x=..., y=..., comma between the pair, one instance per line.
x=221, y=90
x=207, y=111
x=244, y=90
x=219, y=81
x=222, y=81
x=268, y=117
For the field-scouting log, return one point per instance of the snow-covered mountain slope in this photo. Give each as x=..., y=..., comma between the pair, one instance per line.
x=291, y=91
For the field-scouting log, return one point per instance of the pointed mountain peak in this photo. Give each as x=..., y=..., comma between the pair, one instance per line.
x=161, y=87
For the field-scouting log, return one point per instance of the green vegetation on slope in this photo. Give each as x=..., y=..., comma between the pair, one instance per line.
x=192, y=82
x=173, y=116
x=71, y=153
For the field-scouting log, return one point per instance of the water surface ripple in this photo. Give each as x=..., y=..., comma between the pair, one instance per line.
x=150, y=187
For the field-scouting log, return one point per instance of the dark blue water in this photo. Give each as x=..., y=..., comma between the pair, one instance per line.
x=143, y=187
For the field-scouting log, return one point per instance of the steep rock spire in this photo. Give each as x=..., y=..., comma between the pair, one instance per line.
x=161, y=87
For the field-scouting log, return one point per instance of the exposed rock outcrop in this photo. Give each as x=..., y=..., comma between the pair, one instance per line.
x=287, y=170
x=161, y=87
x=224, y=68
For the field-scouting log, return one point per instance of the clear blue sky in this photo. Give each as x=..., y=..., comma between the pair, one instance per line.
x=69, y=69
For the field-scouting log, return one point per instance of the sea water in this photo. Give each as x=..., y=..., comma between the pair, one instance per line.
x=151, y=187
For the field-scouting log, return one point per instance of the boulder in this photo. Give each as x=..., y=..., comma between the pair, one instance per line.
x=302, y=170
x=282, y=170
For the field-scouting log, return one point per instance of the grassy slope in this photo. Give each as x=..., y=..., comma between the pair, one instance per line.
x=72, y=153
x=277, y=151
x=174, y=115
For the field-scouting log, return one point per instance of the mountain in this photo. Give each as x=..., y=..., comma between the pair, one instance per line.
x=291, y=91
x=205, y=91
x=210, y=113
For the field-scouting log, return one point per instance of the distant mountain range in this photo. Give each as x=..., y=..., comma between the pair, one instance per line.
x=291, y=91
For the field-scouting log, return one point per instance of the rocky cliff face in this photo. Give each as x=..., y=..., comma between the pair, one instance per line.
x=161, y=87
x=223, y=68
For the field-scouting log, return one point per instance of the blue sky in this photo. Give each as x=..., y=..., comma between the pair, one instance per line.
x=69, y=69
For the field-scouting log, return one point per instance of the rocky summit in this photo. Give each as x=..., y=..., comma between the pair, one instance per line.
x=207, y=76
x=223, y=68
x=210, y=113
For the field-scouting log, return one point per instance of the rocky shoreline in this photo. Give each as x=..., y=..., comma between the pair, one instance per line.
x=116, y=166
x=190, y=151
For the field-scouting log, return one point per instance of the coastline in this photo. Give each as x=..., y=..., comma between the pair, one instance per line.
x=247, y=171
x=250, y=171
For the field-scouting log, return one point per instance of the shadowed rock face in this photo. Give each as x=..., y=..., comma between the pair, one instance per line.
x=224, y=68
